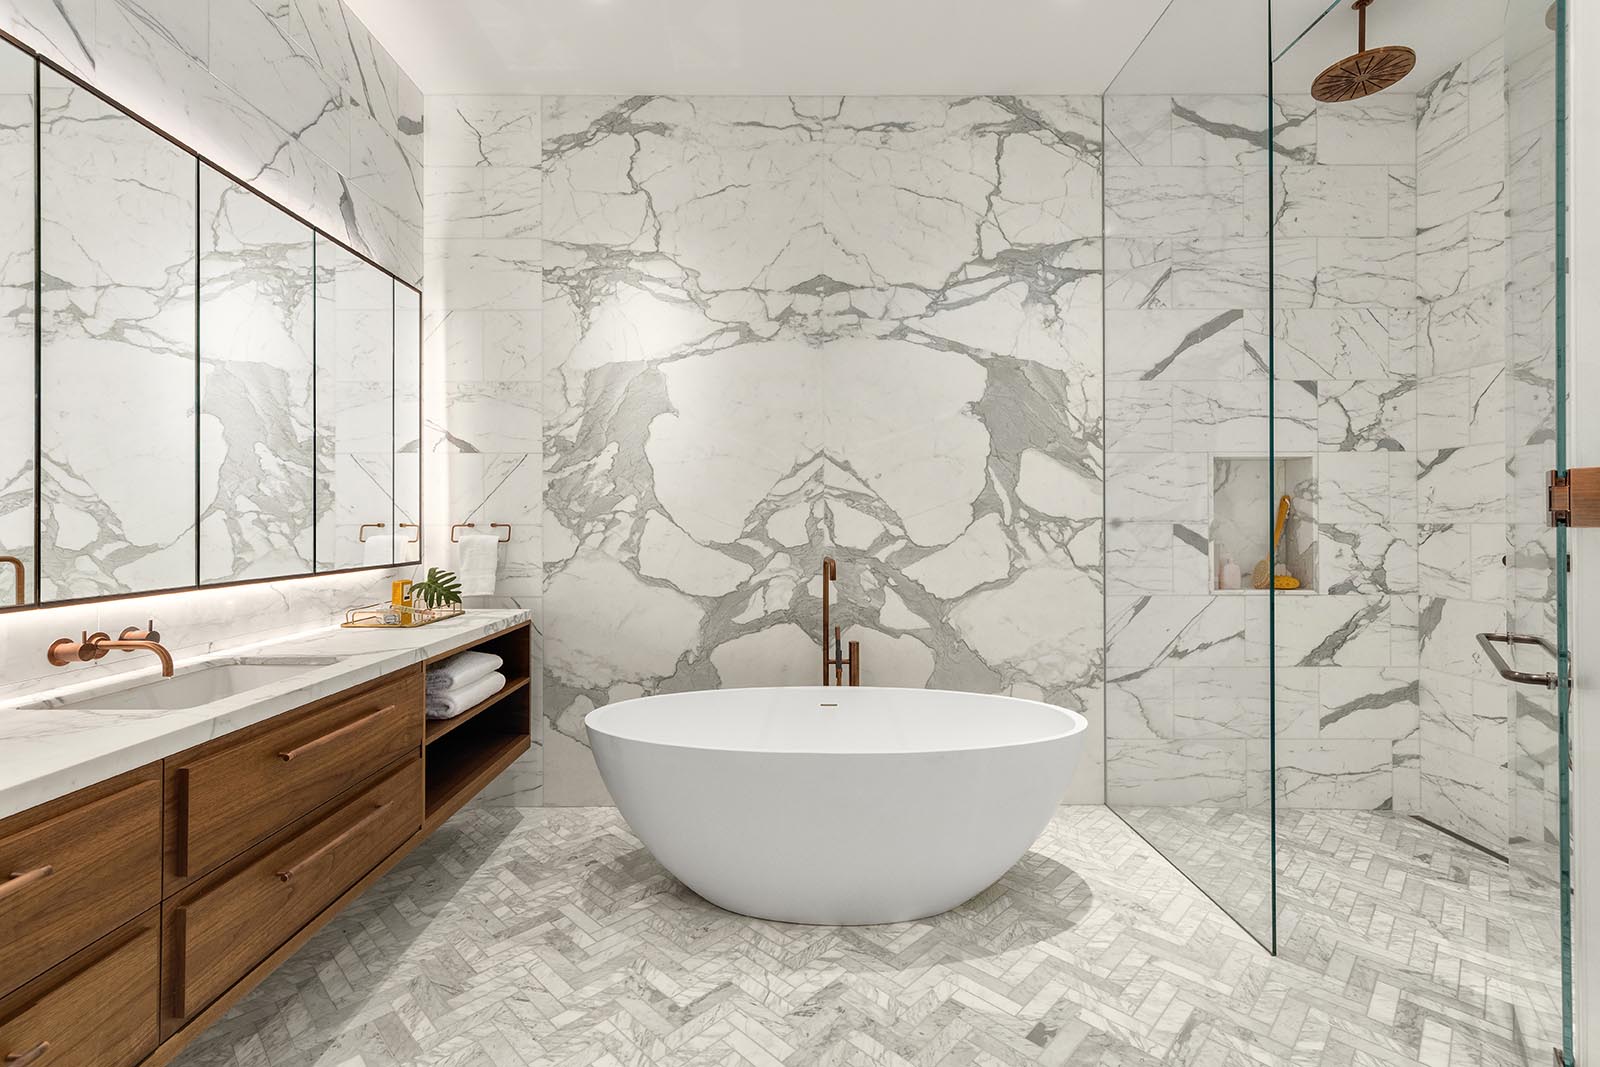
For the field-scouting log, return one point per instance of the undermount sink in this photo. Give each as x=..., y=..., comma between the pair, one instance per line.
x=193, y=686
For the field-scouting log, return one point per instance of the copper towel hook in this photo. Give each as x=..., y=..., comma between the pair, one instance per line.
x=412, y=526
x=362, y=534
x=506, y=526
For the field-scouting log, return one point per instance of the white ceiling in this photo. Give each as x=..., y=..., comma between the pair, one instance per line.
x=911, y=46
x=760, y=46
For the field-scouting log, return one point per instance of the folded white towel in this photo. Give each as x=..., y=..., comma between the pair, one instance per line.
x=377, y=550
x=461, y=670
x=449, y=704
x=477, y=563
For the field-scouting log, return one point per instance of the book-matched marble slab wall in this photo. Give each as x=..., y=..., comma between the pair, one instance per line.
x=781, y=328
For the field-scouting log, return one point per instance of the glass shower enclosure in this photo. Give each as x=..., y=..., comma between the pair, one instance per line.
x=1335, y=373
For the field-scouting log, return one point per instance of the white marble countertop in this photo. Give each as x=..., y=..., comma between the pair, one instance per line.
x=47, y=753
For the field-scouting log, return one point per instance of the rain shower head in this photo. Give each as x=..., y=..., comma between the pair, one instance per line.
x=1371, y=70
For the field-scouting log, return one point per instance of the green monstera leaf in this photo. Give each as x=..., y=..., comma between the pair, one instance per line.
x=437, y=589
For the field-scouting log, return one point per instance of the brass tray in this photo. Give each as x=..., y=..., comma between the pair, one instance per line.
x=372, y=616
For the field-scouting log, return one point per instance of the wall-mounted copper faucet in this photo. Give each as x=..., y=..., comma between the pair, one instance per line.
x=836, y=660
x=97, y=646
x=16, y=565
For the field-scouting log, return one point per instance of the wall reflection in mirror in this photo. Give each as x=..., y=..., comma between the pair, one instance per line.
x=219, y=392
x=257, y=450
x=17, y=515
x=117, y=351
x=355, y=411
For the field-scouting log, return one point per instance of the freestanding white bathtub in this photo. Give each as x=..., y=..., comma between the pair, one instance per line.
x=836, y=805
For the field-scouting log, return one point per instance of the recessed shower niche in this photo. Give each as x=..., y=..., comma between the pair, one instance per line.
x=1245, y=506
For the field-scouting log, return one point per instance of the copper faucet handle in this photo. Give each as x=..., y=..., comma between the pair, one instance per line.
x=133, y=633
x=64, y=651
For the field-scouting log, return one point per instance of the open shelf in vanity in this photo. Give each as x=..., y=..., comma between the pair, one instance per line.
x=463, y=754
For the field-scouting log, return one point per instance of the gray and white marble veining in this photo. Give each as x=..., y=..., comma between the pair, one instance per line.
x=355, y=412
x=780, y=328
x=290, y=96
x=117, y=260
x=256, y=383
x=17, y=317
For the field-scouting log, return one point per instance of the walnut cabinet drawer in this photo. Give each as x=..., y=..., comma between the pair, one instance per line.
x=217, y=931
x=97, y=1009
x=226, y=795
x=76, y=869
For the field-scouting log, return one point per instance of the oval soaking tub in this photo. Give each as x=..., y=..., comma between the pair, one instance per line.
x=836, y=805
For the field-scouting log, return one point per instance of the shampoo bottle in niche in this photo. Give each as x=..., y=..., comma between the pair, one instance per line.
x=1230, y=577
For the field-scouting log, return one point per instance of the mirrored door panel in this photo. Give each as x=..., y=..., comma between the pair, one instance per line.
x=17, y=515
x=407, y=424
x=355, y=411
x=257, y=450
x=117, y=376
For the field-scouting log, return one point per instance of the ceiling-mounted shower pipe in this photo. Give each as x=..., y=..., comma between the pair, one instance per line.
x=1370, y=70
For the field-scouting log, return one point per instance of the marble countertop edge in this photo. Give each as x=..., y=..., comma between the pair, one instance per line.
x=49, y=752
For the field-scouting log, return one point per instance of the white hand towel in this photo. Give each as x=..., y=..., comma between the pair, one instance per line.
x=477, y=561
x=461, y=670
x=449, y=704
x=377, y=550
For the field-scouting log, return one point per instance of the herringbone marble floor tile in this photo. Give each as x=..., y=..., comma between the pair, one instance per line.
x=549, y=938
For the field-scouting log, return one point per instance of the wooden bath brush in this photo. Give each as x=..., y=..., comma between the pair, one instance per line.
x=1262, y=576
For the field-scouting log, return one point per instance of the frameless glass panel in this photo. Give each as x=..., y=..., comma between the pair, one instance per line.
x=408, y=422
x=17, y=512
x=1536, y=435
x=117, y=351
x=355, y=411
x=256, y=382
x=1188, y=471
x=1415, y=359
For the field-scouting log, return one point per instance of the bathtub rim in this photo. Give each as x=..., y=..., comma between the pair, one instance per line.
x=1076, y=722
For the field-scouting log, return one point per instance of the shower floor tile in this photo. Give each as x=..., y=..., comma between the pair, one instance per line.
x=549, y=936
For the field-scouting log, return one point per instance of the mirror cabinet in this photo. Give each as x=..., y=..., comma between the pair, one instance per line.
x=200, y=387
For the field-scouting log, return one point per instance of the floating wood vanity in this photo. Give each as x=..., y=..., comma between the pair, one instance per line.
x=135, y=912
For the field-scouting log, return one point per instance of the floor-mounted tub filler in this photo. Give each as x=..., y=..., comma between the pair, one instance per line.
x=836, y=805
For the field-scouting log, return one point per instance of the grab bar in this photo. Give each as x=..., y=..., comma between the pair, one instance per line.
x=1548, y=680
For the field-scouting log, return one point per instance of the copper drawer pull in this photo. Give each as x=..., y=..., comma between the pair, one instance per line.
x=20, y=880
x=335, y=734
x=289, y=872
x=18, y=1059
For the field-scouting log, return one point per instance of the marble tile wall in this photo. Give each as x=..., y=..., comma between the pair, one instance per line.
x=483, y=448
x=1186, y=357
x=1345, y=237
x=781, y=328
x=293, y=96
x=298, y=99
x=1462, y=484
x=1530, y=426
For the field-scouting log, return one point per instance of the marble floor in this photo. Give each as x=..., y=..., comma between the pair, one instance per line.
x=550, y=937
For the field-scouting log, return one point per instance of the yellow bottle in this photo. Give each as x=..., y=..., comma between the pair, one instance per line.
x=400, y=598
